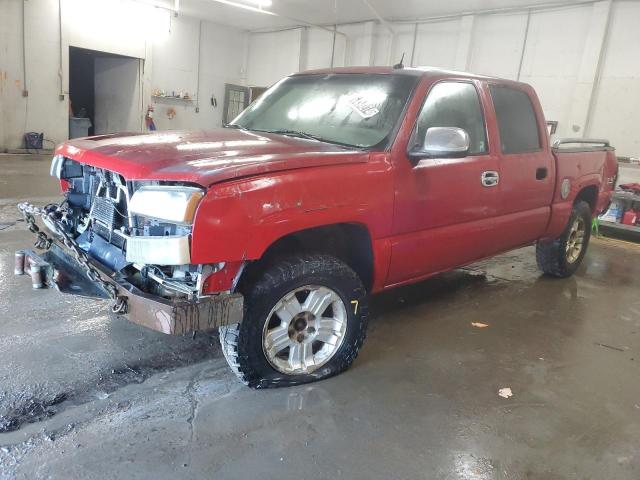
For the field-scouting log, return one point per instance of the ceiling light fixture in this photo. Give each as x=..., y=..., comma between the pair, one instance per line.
x=258, y=9
x=260, y=3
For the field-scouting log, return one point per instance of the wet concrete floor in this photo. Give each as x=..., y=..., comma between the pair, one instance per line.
x=84, y=394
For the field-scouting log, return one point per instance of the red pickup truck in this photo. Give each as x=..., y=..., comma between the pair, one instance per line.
x=333, y=185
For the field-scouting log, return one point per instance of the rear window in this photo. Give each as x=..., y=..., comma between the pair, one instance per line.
x=517, y=122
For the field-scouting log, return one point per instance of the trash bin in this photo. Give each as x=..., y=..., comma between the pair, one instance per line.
x=79, y=127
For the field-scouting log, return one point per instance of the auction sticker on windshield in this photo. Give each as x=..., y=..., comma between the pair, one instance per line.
x=362, y=105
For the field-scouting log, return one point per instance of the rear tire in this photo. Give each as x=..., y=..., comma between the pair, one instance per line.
x=561, y=257
x=305, y=320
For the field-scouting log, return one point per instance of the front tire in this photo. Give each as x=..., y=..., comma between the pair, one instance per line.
x=305, y=320
x=562, y=257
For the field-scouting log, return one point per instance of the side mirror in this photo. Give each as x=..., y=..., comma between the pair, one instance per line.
x=442, y=142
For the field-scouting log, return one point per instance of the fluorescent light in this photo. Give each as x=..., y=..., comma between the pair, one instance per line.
x=260, y=3
x=258, y=9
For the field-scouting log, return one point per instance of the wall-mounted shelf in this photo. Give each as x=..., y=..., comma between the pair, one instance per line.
x=618, y=230
x=631, y=232
x=628, y=196
x=171, y=98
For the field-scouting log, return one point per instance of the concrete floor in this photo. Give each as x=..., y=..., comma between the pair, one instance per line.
x=87, y=395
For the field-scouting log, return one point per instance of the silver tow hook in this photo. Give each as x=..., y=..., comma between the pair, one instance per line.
x=120, y=306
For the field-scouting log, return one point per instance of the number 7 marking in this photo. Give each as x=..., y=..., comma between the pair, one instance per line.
x=355, y=309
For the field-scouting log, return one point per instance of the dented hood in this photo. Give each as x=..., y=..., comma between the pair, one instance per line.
x=204, y=157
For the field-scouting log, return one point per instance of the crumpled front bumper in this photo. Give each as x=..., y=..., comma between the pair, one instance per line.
x=57, y=268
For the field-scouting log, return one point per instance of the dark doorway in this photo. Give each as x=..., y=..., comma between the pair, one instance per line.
x=106, y=89
x=82, y=82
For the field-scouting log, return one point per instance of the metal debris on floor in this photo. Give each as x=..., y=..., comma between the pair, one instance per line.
x=609, y=346
x=479, y=325
x=505, y=392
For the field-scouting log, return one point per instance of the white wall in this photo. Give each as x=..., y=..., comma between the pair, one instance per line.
x=11, y=104
x=497, y=44
x=41, y=110
x=111, y=27
x=559, y=58
x=176, y=69
x=437, y=43
x=401, y=43
x=122, y=27
x=317, y=45
x=588, y=93
x=552, y=60
x=359, y=44
x=616, y=112
x=273, y=56
x=224, y=57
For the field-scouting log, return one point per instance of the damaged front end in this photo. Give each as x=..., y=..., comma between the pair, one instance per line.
x=128, y=242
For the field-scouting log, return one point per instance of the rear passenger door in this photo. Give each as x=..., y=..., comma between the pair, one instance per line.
x=526, y=166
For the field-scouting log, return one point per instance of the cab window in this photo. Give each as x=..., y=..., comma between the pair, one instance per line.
x=517, y=122
x=452, y=104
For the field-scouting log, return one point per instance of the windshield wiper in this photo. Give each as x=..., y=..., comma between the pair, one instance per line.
x=309, y=136
x=294, y=133
x=291, y=133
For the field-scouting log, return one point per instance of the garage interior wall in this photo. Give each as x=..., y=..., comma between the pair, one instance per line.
x=176, y=68
x=582, y=59
x=587, y=75
x=166, y=45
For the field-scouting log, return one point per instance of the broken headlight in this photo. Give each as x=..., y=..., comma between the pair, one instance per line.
x=64, y=168
x=175, y=204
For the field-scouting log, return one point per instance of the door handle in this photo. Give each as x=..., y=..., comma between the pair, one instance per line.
x=490, y=178
x=541, y=173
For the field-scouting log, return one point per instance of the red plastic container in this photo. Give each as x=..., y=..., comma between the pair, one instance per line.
x=629, y=217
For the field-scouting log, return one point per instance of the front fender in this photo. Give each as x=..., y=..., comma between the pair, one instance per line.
x=239, y=220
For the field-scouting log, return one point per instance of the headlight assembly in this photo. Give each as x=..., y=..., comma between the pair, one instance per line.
x=65, y=168
x=56, y=166
x=167, y=203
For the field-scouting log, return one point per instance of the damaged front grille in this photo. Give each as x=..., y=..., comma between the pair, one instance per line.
x=110, y=236
x=104, y=211
x=103, y=227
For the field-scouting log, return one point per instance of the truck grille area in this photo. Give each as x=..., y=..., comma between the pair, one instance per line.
x=108, y=235
x=100, y=202
x=104, y=211
x=100, y=223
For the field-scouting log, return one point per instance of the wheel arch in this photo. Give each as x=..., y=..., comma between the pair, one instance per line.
x=349, y=242
x=588, y=194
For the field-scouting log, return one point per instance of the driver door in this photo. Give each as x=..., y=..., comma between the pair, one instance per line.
x=444, y=207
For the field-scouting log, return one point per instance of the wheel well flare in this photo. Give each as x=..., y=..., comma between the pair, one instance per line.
x=349, y=242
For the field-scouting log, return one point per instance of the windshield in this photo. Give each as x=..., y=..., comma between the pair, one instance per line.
x=347, y=109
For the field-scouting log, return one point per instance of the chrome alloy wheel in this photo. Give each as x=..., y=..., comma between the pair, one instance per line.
x=575, y=240
x=304, y=330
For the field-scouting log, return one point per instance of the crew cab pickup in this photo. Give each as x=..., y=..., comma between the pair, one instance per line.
x=333, y=185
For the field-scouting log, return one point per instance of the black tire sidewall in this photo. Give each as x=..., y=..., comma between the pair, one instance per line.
x=580, y=209
x=268, y=291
